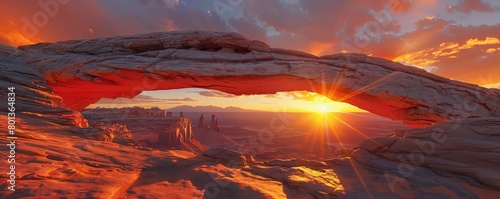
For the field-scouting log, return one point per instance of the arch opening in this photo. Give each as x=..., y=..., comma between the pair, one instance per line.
x=78, y=93
x=292, y=101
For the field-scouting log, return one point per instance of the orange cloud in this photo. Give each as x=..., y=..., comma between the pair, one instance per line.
x=218, y=94
x=301, y=96
x=418, y=59
x=27, y=22
x=318, y=48
x=11, y=34
x=476, y=42
x=446, y=49
x=428, y=57
x=492, y=50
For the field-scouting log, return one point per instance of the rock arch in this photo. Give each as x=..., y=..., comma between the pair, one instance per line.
x=84, y=71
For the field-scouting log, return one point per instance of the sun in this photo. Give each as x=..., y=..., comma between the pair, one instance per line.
x=322, y=108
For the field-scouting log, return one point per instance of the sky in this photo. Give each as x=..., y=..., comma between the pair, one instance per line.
x=458, y=39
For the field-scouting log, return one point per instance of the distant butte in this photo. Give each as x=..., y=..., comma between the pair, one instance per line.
x=84, y=71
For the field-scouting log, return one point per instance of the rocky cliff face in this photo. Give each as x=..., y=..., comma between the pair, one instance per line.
x=33, y=98
x=82, y=72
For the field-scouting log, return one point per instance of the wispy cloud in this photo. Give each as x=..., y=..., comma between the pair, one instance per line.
x=299, y=95
x=186, y=99
x=145, y=99
x=172, y=103
x=217, y=94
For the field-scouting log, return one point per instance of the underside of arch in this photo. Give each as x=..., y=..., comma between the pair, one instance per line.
x=84, y=71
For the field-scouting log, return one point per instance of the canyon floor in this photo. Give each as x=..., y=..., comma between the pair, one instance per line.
x=306, y=135
x=55, y=161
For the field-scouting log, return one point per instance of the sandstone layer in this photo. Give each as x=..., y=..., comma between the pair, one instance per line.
x=33, y=98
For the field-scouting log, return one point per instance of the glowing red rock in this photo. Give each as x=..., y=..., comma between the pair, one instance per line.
x=82, y=72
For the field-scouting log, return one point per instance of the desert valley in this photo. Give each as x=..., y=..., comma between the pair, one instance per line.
x=315, y=136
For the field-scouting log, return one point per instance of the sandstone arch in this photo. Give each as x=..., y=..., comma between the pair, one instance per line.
x=84, y=71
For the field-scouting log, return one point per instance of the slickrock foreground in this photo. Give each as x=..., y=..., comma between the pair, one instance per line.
x=84, y=71
x=457, y=158
x=460, y=161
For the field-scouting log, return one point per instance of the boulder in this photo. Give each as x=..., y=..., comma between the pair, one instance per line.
x=230, y=157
